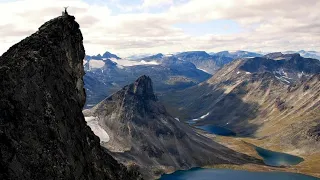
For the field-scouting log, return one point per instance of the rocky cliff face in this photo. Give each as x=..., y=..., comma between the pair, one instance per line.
x=143, y=133
x=42, y=129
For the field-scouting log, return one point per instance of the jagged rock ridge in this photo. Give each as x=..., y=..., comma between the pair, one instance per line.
x=42, y=129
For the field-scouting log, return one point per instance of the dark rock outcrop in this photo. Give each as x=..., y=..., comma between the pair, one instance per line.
x=43, y=134
x=314, y=132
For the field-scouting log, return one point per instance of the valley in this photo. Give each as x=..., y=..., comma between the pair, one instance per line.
x=270, y=106
x=252, y=105
x=143, y=133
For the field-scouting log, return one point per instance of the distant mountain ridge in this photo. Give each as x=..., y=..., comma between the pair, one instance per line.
x=104, y=77
x=306, y=54
x=106, y=55
x=209, y=63
x=170, y=72
x=237, y=54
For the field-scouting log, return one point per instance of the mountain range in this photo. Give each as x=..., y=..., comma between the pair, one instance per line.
x=274, y=98
x=104, y=77
x=108, y=73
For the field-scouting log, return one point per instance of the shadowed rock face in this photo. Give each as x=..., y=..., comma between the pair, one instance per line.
x=143, y=133
x=143, y=88
x=42, y=129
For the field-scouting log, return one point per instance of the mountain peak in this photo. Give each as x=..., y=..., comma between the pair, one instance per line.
x=143, y=87
x=41, y=76
x=108, y=54
x=273, y=55
x=194, y=54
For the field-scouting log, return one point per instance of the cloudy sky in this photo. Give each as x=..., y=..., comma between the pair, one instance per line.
x=127, y=27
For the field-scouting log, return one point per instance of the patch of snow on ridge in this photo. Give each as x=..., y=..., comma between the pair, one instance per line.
x=127, y=62
x=96, y=63
x=204, y=116
x=203, y=70
x=90, y=118
x=120, y=67
x=300, y=74
x=97, y=129
x=283, y=80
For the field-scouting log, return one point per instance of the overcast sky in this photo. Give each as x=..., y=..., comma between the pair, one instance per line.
x=127, y=27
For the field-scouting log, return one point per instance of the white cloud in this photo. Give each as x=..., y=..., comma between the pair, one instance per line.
x=153, y=3
x=268, y=25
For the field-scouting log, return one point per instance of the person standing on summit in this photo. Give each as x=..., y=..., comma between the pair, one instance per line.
x=65, y=11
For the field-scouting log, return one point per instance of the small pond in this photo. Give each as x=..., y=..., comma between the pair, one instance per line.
x=218, y=130
x=273, y=158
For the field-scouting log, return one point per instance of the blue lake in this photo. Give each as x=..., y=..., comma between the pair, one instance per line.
x=273, y=158
x=218, y=130
x=225, y=174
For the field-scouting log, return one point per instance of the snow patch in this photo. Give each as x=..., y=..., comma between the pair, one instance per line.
x=96, y=64
x=283, y=80
x=202, y=117
x=119, y=66
x=97, y=129
x=238, y=72
x=177, y=119
x=127, y=62
x=248, y=72
x=203, y=70
x=90, y=118
x=300, y=74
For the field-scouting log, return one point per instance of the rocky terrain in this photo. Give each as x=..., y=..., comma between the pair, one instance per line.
x=42, y=129
x=140, y=132
x=275, y=98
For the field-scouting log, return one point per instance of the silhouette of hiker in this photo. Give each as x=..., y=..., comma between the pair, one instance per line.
x=65, y=13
